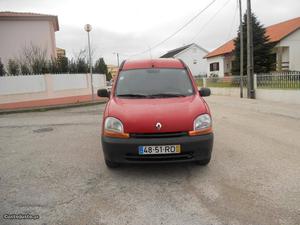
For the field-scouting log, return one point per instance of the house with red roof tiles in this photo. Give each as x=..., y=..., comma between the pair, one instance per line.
x=22, y=30
x=285, y=35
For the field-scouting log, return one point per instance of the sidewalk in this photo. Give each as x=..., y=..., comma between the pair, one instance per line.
x=48, y=104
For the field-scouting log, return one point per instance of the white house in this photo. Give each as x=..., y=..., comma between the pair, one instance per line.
x=192, y=55
x=285, y=36
x=22, y=30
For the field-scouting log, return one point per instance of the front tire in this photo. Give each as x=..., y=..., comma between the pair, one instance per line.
x=111, y=164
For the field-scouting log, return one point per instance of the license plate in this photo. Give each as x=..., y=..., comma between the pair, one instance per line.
x=159, y=149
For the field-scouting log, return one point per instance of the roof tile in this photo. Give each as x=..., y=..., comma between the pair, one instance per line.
x=275, y=32
x=7, y=15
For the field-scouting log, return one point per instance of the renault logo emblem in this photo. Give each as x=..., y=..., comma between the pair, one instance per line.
x=158, y=126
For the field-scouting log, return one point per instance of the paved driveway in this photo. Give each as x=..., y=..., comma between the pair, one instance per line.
x=51, y=165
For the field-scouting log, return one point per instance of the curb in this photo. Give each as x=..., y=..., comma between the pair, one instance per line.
x=54, y=107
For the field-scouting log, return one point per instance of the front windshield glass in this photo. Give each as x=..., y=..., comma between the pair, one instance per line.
x=156, y=83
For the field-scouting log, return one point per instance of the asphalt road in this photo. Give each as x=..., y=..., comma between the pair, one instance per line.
x=51, y=165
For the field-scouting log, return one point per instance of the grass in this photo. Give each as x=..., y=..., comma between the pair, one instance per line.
x=199, y=82
x=270, y=85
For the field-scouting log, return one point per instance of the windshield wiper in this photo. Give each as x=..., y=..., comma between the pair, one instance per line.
x=167, y=95
x=133, y=95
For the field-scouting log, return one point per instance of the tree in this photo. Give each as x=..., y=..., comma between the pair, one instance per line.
x=39, y=66
x=35, y=58
x=63, y=64
x=80, y=63
x=24, y=69
x=108, y=76
x=13, y=67
x=53, y=66
x=101, y=67
x=82, y=66
x=263, y=58
x=2, y=70
x=72, y=66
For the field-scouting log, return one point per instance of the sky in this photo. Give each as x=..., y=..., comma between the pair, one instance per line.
x=134, y=26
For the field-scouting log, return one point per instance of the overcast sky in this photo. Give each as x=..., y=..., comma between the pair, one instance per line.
x=132, y=26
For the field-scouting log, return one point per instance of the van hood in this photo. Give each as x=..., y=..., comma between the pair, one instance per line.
x=141, y=115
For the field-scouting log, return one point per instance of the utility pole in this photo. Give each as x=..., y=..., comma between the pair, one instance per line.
x=251, y=91
x=241, y=50
x=118, y=59
x=88, y=28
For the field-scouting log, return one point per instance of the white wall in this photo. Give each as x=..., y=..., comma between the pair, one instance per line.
x=220, y=60
x=285, y=55
x=40, y=87
x=22, y=84
x=228, y=65
x=69, y=81
x=99, y=80
x=275, y=95
x=194, y=53
x=228, y=91
x=293, y=42
x=15, y=35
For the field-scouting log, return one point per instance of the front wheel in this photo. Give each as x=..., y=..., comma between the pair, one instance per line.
x=203, y=162
x=111, y=164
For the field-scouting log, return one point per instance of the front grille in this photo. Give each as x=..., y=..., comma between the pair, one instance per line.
x=158, y=135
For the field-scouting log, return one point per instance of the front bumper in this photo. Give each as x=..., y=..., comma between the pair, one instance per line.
x=193, y=148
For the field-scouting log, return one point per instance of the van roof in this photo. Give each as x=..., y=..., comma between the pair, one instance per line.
x=152, y=63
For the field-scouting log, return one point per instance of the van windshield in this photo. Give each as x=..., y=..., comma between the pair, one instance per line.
x=154, y=83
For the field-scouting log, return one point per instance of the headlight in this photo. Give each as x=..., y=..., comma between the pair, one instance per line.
x=202, y=122
x=202, y=125
x=114, y=128
x=113, y=124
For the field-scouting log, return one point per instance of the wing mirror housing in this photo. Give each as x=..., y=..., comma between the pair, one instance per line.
x=103, y=93
x=204, y=92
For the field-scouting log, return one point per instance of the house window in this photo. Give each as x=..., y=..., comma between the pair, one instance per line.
x=214, y=66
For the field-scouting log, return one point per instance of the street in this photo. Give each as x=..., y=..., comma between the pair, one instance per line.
x=52, y=165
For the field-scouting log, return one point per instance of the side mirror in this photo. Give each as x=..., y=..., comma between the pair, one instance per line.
x=103, y=93
x=204, y=92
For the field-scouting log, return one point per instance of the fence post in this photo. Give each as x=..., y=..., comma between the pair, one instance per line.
x=204, y=82
x=255, y=82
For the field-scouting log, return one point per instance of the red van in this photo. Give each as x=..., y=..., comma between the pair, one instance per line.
x=156, y=114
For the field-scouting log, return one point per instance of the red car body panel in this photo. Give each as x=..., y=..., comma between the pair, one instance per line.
x=139, y=115
x=157, y=63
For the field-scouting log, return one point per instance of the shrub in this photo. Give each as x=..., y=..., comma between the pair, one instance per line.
x=72, y=67
x=82, y=66
x=63, y=64
x=2, y=70
x=25, y=69
x=13, y=67
x=108, y=76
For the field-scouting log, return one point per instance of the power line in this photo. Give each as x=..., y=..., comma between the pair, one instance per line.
x=209, y=20
x=233, y=20
x=176, y=32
